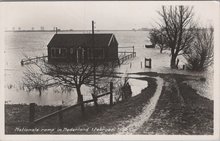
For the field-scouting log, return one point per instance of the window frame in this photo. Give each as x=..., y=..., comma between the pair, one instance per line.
x=58, y=52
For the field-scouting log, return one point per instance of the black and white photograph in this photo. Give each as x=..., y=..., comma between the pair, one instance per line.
x=136, y=70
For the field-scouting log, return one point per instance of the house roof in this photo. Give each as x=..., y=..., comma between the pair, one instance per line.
x=85, y=40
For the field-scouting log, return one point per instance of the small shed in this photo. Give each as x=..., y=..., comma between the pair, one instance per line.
x=78, y=48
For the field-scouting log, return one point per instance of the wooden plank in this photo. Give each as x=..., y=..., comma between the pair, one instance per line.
x=88, y=101
x=54, y=113
x=126, y=47
x=30, y=59
x=124, y=52
x=67, y=108
x=107, y=93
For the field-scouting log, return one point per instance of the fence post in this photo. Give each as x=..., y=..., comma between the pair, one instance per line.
x=177, y=62
x=150, y=62
x=133, y=50
x=130, y=65
x=95, y=102
x=111, y=95
x=60, y=117
x=183, y=67
x=145, y=62
x=32, y=112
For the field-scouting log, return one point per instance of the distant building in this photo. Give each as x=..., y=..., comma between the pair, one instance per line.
x=79, y=48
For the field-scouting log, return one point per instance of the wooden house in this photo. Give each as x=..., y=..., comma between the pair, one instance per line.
x=78, y=48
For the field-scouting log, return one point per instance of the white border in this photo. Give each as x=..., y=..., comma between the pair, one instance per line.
x=216, y=11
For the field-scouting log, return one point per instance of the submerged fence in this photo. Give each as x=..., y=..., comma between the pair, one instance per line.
x=127, y=57
x=32, y=60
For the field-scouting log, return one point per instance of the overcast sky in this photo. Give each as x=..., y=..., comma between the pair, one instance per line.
x=106, y=14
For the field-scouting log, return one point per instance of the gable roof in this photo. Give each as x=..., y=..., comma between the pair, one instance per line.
x=85, y=40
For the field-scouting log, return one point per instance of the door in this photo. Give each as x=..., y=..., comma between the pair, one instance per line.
x=80, y=55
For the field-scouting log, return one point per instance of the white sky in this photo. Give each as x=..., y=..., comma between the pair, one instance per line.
x=106, y=14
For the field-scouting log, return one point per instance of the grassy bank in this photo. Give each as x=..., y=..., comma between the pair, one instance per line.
x=180, y=110
x=105, y=121
x=17, y=117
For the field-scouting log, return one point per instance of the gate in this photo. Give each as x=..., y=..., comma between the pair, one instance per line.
x=147, y=63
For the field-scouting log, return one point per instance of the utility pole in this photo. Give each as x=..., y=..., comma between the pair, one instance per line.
x=94, y=63
x=93, y=28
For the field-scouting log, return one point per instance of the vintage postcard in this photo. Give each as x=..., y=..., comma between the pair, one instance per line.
x=110, y=70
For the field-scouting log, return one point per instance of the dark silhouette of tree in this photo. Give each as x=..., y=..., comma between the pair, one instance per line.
x=177, y=21
x=34, y=80
x=200, y=56
x=123, y=91
x=158, y=37
x=74, y=75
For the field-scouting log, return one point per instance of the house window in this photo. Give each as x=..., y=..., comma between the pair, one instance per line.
x=80, y=54
x=71, y=50
x=58, y=52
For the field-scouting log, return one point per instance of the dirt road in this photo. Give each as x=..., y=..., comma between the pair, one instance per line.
x=136, y=122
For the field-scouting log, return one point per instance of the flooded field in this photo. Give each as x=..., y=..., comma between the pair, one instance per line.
x=32, y=44
x=18, y=45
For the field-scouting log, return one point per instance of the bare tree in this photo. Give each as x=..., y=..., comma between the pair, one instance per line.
x=34, y=80
x=158, y=37
x=178, y=24
x=74, y=75
x=200, y=56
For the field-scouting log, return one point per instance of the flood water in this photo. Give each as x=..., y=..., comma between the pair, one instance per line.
x=32, y=44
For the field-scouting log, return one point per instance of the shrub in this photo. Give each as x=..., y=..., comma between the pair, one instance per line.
x=200, y=55
x=124, y=90
x=158, y=37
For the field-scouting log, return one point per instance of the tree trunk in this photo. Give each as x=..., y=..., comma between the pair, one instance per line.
x=80, y=99
x=79, y=95
x=39, y=91
x=161, y=49
x=173, y=61
x=202, y=61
